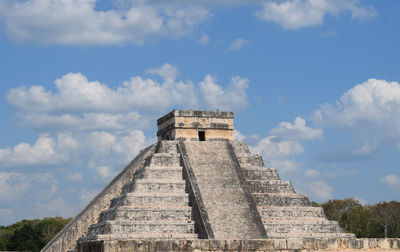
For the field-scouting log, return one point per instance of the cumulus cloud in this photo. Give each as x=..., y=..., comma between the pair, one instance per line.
x=75, y=176
x=167, y=71
x=19, y=190
x=391, y=180
x=45, y=151
x=296, y=131
x=85, y=196
x=295, y=14
x=283, y=143
x=204, y=40
x=311, y=173
x=78, y=104
x=234, y=97
x=320, y=190
x=370, y=111
x=238, y=44
x=78, y=22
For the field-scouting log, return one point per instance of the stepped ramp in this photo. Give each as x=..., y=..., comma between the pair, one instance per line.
x=153, y=205
x=229, y=212
x=284, y=213
x=67, y=238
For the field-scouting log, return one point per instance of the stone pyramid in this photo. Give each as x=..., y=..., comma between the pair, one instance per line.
x=196, y=183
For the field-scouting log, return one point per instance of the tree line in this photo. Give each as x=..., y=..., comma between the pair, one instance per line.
x=369, y=221
x=381, y=220
x=30, y=235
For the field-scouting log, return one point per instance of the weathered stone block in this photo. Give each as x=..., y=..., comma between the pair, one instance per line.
x=280, y=244
x=372, y=243
x=233, y=245
x=294, y=243
x=383, y=243
x=322, y=243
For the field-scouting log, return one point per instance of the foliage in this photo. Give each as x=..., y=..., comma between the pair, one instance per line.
x=30, y=235
x=379, y=220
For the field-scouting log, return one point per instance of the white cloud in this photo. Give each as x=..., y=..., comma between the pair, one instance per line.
x=238, y=44
x=311, y=173
x=391, y=180
x=45, y=151
x=279, y=154
x=75, y=176
x=167, y=71
x=204, y=40
x=77, y=22
x=78, y=104
x=320, y=190
x=296, y=131
x=30, y=195
x=374, y=101
x=370, y=111
x=85, y=196
x=232, y=98
x=104, y=172
x=295, y=14
x=238, y=136
x=55, y=207
x=284, y=143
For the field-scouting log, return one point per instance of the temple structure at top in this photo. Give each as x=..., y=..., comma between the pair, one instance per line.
x=196, y=125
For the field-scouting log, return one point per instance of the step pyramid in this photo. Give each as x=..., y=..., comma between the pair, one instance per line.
x=196, y=183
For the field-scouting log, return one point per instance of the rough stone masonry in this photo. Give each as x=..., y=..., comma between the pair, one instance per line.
x=198, y=189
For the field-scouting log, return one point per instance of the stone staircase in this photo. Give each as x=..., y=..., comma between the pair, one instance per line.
x=226, y=203
x=284, y=213
x=153, y=205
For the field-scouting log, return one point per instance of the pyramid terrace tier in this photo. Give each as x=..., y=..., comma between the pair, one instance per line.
x=270, y=186
x=286, y=212
x=129, y=199
x=165, y=159
x=167, y=172
x=259, y=173
x=139, y=227
x=147, y=213
x=153, y=185
x=281, y=199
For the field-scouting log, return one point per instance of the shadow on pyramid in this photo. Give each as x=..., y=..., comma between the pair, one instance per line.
x=195, y=183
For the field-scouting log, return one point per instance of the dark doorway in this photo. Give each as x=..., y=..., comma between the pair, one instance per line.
x=202, y=136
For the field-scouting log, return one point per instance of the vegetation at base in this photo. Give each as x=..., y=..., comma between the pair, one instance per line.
x=30, y=235
x=381, y=220
x=370, y=221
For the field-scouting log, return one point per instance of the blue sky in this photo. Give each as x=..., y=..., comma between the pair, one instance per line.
x=314, y=85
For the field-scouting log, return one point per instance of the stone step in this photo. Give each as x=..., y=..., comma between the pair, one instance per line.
x=146, y=213
x=128, y=199
x=154, y=185
x=259, y=173
x=165, y=159
x=294, y=220
x=122, y=227
x=254, y=160
x=166, y=172
x=330, y=227
x=291, y=212
x=294, y=234
x=240, y=148
x=168, y=147
x=281, y=199
x=177, y=236
x=270, y=186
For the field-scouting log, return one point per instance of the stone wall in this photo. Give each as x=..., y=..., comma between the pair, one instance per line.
x=308, y=244
x=78, y=227
x=185, y=124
